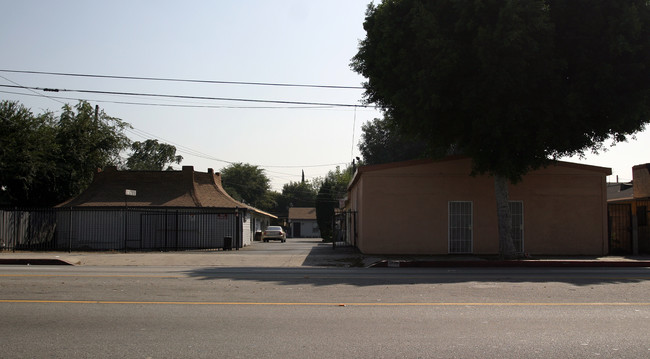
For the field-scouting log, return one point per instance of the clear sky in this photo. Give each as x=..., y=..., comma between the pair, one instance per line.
x=280, y=41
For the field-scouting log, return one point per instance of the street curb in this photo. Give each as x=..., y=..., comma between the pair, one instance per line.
x=516, y=263
x=33, y=261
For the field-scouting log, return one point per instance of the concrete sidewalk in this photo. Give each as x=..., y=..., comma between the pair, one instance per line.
x=323, y=256
x=298, y=253
x=185, y=258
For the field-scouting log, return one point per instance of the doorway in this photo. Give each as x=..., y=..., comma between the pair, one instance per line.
x=295, y=230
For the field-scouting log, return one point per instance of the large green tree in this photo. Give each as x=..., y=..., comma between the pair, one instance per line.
x=296, y=194
x=151, y=155
x=246, y=182
x=88, y=139
x=381, y=143
x=512, y=84
x=45, y=161
x=27, y=156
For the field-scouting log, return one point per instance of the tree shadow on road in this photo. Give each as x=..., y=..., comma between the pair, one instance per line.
x=365, y=277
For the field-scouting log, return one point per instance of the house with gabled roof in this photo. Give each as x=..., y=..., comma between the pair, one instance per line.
x=158, y=210
x=437, y=207
x=303, y=223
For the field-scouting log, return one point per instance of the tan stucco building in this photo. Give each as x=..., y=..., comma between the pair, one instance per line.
x=437, y=207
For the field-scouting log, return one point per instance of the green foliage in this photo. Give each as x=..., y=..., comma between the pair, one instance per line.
x=151, y=155
x=88, y=140
x=511, y=83
x=27, y=163
x=299, y=194
x=381, y=143
x=325, y=205
x=339, y=181
x=45, y=161
x=270, y=204
x=296, y=194
x=246, y=183
x=332, y=188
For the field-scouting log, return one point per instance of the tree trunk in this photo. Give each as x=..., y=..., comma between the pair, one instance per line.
x=506, y=245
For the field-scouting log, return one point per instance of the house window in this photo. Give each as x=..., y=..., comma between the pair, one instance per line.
x=460, y=227
x=517, y=231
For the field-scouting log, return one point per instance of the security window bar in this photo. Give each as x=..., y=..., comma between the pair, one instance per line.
x=460, y=227
x=517, y=231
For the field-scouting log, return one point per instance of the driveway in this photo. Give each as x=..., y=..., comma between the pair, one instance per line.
x=297, y=252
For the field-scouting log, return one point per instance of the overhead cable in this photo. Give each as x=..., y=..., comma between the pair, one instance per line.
x=175, y=105
x=187, y=97
x=184, y=80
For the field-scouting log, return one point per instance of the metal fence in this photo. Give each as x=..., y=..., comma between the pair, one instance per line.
x=345, y=229
x=136, y=229
x=620, y=228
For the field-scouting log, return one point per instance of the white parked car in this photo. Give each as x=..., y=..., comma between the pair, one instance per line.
x=274, y=233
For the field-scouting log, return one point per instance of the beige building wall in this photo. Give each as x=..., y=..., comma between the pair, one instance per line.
x=403, y=208
x=641, y=183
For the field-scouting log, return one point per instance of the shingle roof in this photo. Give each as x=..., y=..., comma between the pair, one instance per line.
x=302, y=213
x=185, y=188
x=619, y=191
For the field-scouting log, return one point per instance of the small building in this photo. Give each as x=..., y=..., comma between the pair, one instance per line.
x=145, y=210
x=432, y=207
x=627, y=205
x=303, y=223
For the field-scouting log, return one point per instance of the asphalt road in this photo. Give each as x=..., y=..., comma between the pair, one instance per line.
x=207, y=312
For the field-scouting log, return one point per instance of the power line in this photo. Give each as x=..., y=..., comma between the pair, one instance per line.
x=192, y=152
x=146, y=135
x=182, y=149
x=34, y=92
x=186, y=97
x=186, y=150
x=184, y=80
x=171, y=105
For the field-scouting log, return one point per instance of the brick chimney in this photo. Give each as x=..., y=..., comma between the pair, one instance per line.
x=641, y=180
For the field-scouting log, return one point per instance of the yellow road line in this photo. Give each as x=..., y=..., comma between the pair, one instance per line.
x=521, y=304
